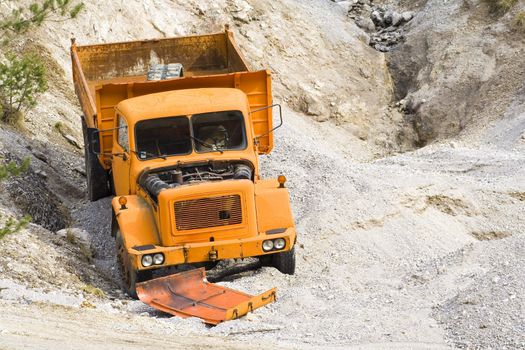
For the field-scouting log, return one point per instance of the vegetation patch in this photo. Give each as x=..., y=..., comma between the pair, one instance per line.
x=519, y=22
x=90, y=289
x=518, y=195
x=22, y=80
x=12, y=226
x=500, y=6
x=448, y=205
x=21, y=19
x=490, y=235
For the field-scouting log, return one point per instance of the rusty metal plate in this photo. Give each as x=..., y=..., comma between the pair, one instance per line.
x=189, y=294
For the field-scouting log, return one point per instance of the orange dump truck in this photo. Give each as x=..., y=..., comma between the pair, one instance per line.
x=173, y=129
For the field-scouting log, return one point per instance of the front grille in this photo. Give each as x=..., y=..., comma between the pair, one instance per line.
x=208, y=212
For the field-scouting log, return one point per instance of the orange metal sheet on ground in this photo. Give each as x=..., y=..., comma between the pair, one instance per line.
x=188, y=294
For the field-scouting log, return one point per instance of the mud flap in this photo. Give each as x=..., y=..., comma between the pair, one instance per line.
x=189, y=294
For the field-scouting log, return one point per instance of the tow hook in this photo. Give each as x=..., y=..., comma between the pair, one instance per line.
x=212, y=255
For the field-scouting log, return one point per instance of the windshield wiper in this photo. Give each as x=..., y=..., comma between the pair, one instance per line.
x=213, y=147
x=150, y=155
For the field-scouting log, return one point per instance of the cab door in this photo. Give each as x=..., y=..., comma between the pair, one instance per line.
x=121, y=159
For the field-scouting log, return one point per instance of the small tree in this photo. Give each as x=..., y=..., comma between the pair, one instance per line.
x=7, y=170
x=22, y=79
x=23, y=18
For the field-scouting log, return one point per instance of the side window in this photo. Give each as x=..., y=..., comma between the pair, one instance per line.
x=122, y=133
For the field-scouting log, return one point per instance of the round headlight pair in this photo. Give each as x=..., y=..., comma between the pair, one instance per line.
x=275, y=244
x=148, y=260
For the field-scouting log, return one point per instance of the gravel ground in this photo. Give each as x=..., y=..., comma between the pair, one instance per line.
x=418, y=250
x=422, y=249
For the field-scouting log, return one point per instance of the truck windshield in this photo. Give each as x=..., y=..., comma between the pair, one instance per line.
x=218, y=131
x=163, y=137
x=210, y=132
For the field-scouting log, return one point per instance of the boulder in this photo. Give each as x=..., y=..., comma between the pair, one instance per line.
x=397, y=18
x=407, y=16
x=377, y=18
x=366, y=23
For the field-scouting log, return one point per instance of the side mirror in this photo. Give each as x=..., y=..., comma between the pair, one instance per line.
x=278, y=106
x=94, y=140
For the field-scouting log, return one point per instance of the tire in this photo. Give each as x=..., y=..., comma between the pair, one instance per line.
x=96, y=176
x=128, y=274
x=210, y=265
x=285, y=261
x=266, y=260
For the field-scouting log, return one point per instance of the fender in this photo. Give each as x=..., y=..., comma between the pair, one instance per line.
x=274, y=214
x=136, y=222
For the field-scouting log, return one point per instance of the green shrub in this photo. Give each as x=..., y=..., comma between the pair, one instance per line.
x=12, y=226
x=501, y=6
x=519, y=22
x=22, y=79
x=7, y=170
x=13, y=169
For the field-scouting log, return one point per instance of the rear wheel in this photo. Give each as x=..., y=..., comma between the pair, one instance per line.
x=96, y=176
x=285, y=261
x=129, y=275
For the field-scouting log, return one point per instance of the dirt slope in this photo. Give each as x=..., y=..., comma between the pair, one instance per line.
x=460, y=68
x=417, y=250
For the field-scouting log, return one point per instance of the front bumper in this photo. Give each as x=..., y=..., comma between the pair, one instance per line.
x=212, y=251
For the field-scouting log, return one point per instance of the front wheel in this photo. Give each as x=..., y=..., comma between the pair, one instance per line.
x=284, y=262
x=129, y=275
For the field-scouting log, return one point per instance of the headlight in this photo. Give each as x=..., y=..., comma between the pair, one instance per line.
x=147, y=260
x=267, y=245
x=279, y=243
x=158, y=259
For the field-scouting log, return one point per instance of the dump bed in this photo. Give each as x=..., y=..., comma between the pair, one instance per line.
x=106, y=74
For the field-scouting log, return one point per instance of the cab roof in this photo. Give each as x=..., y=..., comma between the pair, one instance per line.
x=182, y=102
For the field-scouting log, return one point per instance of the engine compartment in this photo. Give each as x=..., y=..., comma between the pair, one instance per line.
x=156, y=180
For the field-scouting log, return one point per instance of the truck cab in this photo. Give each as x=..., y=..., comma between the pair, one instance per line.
x=187, y=161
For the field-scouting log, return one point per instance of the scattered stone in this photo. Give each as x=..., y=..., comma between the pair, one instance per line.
x=80, y=170
x=366, y=23
x=383, y=24
x=387, y=17
x=396, y=18
x=73, y=141
x=365, y=38
x=407, y=16
x=313, y=106
x=41, y=173
x=365, y=74
x=76, y=236
x=359, y=8
x=39, y=155
x=377, y=18
x=345, y=5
